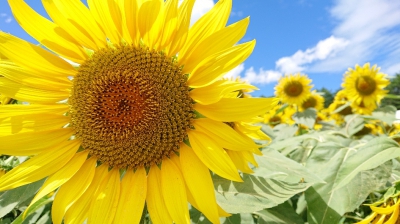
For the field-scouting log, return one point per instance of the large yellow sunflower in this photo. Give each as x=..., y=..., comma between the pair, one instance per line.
x=365, y=85
x=141, y=117
x=293, y=89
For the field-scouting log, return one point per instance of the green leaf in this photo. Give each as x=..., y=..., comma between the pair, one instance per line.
x=307, y=117
x=327, y=205
x=284, y=131
x=354, y=124
x=254, y=194
x=392, y=96
x=386, y=114
x=34, y=211
x=243, y=218
x=290, y=171
x=281, y=214
x=371, y=155
x=12, y=198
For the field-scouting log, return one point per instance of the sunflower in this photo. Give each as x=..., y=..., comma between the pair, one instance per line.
x=140, y=118
x=365, y=85
x=362, y=109
x=293, y=89
x=386, y=212
x=313, y=101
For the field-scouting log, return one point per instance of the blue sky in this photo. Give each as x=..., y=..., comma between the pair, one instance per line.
x=319, y=38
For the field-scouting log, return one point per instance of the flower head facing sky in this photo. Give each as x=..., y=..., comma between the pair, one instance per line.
x=141, y=117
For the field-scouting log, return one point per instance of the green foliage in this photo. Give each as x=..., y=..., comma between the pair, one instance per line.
x=394, y=89
x=328, y=96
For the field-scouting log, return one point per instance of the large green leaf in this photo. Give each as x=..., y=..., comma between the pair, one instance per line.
x=35, y=211
x=284, y=131
x=307, y=117
x=281, y=214
x=386, y=114
x=327, y=205
x=10, y=199
x=354, y=124
x=254, y=194
x=371, y=155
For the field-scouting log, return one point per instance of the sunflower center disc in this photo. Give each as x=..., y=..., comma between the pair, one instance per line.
x=130, y=106
x=365, y=85
x=310, y=102
x=294, y=89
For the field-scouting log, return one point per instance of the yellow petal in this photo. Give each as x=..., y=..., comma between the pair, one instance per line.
x=32, y=122
x=133, y=197
x=22, y=109
x=80, y=209
x=35, y=58
x=382, y=210
x=215, y=91
x=239, y=161
x=28, y=94
x=39, y=166
x=47, y=33
x=212, y=21
x=197, y=174
x=151, y=15
x=185, y=12
x=29, y=78
x=60, y=177
x=108, y=15
x=213, y=156
x=79, y=15
x=170, y=26
x=395, y=215
x=174, y=192
x=236, y=109
x=72, y=190
x=154, y=198
x=129, y=22
x=215, y=66
x=216, y=42
x=105, y=202
x=225, y=136
x=63, y=16
x=31, y=143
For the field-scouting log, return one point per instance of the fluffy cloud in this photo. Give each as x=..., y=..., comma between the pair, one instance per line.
x=251, y=76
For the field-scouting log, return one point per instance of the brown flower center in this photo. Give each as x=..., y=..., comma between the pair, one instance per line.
x=130, y=106
x=293, y=89
x=310, y=102
x=365, y=85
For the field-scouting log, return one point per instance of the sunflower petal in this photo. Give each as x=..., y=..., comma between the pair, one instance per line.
x=129, y=22
x=215, y=66
x=108, y=14
x=65, y=19
x=197, y=174
x=215, y=91
x=106, y=199
x=239, y=161
x=72, y=190
x=154, y=199
x=151, y=14
x=212, y=21
x=31, y=143
x=216, y=42
x=236, y=109
x=213, y=156
x=35, y=58
x=174, y=192
x=28, y=94
x=22, y=109
x=60, y=177
x=39, y=166
x=26, y=123
x=170, y=26
x=18, y=74
x=185, y=12
x=133, y=197
x=80, y=209
x=225, y=136
x=47, y=33
x=79, y=15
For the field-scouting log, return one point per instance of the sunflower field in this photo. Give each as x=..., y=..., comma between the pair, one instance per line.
x=123, y=114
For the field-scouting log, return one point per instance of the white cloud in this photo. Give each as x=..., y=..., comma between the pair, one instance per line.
x=8, y=18
x=323, y=50
x=253, y=77
x=199, y=9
